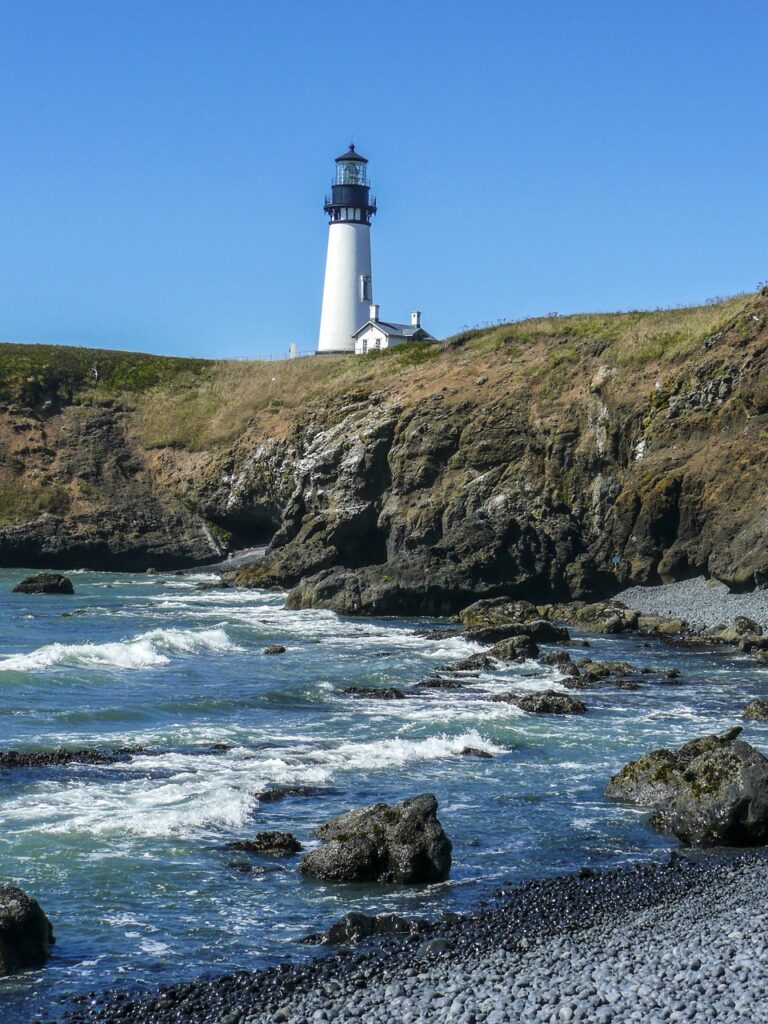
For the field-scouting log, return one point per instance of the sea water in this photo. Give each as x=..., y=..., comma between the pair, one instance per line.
x=131, y=860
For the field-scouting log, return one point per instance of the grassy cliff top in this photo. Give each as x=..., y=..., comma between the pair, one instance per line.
x=197, y=403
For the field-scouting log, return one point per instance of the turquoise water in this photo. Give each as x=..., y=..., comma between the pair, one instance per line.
x=130, y=861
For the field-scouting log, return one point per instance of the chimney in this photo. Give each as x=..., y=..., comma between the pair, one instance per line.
x=373, y=312
x=416, y=318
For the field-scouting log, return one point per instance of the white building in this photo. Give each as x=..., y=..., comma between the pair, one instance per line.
x=376, y=334
x=348, y=289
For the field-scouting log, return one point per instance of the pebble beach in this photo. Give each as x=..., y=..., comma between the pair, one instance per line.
x=680, y=941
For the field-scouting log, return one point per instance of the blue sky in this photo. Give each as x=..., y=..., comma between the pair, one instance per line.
x=164, y=165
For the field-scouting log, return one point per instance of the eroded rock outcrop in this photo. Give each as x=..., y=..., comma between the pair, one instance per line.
x=597, y=454
x=403, y=844
x=711, y=791
x=45, y=583
x=26, y=934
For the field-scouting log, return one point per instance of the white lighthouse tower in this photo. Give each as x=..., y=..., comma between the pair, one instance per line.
x=348, y=291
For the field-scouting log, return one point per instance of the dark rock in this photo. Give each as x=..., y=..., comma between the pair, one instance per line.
x=499, y=611
x=244, y=867
x=539, y=630
x=712, y=791
x=274, y=844
x=544, y=702
x=436, y=634
x=375, y=692
x=596, y=670
x=470, y=664
x=757, y=710
x=45, y=583
x=516, y=648
x=474, y=752
x=277, y=793
x=562, y=661
x=274, y=649
x=356, y=927
x=26, y=934
x=60, y=756
x=402, y=844
x=440, y=683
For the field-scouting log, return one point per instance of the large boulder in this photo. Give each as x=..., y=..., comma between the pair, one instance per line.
x=539, y=630
x=515, y=648
x=404, y=844
x=45, y=583
x=26, y=934
x=497, y=611
x=736, y=631
x=712, y=791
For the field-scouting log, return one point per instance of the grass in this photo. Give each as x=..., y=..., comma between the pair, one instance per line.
x=197, y=403
x=630, y=339
x=32, y=374
x=19, y=502
x=235, y=393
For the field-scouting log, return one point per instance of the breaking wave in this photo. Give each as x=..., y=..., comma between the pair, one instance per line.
x=144, y=651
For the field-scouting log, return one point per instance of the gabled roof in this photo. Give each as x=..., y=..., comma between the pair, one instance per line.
x=396, y=330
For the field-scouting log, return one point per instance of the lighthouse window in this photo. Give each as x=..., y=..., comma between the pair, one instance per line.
x=365, y=288
x=350, y=172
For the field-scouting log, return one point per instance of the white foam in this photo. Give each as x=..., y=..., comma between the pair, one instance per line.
x=208, y=792
x=144, y=651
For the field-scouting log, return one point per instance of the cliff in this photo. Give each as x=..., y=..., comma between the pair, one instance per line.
x=556, y=458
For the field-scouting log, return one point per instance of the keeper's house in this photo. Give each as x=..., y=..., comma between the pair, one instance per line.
x=376, y=334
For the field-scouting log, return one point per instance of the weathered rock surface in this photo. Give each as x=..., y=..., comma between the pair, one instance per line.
x=64, y=756
x=757, y=710
x=26, y=934
x=711, y=791
x=374, y=692
x=403, y=844
x=543, y=702
x=595, y=455
x=273, y=844
x=516, y=648
x=45, y=583
x=356, y=927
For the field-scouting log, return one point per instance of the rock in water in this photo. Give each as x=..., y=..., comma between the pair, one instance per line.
x=45, y=583
x=26, y=933
x=355, y=927
x=273, y=844
x=712, y=791
x=515, y=648
x=497, y=611
x=375, y=692
x=757, y=710
x=545, y=702
x=274, y=649
x=404, y=844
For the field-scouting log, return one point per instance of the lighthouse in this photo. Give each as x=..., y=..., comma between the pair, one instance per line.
x=348, y=291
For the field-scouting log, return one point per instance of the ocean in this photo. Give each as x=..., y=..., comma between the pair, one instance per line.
x=130, y=860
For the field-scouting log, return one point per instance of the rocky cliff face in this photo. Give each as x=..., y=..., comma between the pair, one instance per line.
x=554, y=459
x=498, y=473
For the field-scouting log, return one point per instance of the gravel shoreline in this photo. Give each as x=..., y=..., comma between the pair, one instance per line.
x=701, y=602
x=649, y=943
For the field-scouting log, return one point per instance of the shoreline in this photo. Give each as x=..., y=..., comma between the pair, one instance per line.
x=611, y=932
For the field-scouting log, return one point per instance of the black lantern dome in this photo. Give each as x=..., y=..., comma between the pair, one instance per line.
x=350, y=199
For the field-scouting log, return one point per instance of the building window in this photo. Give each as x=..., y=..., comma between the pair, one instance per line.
x=365, y=288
